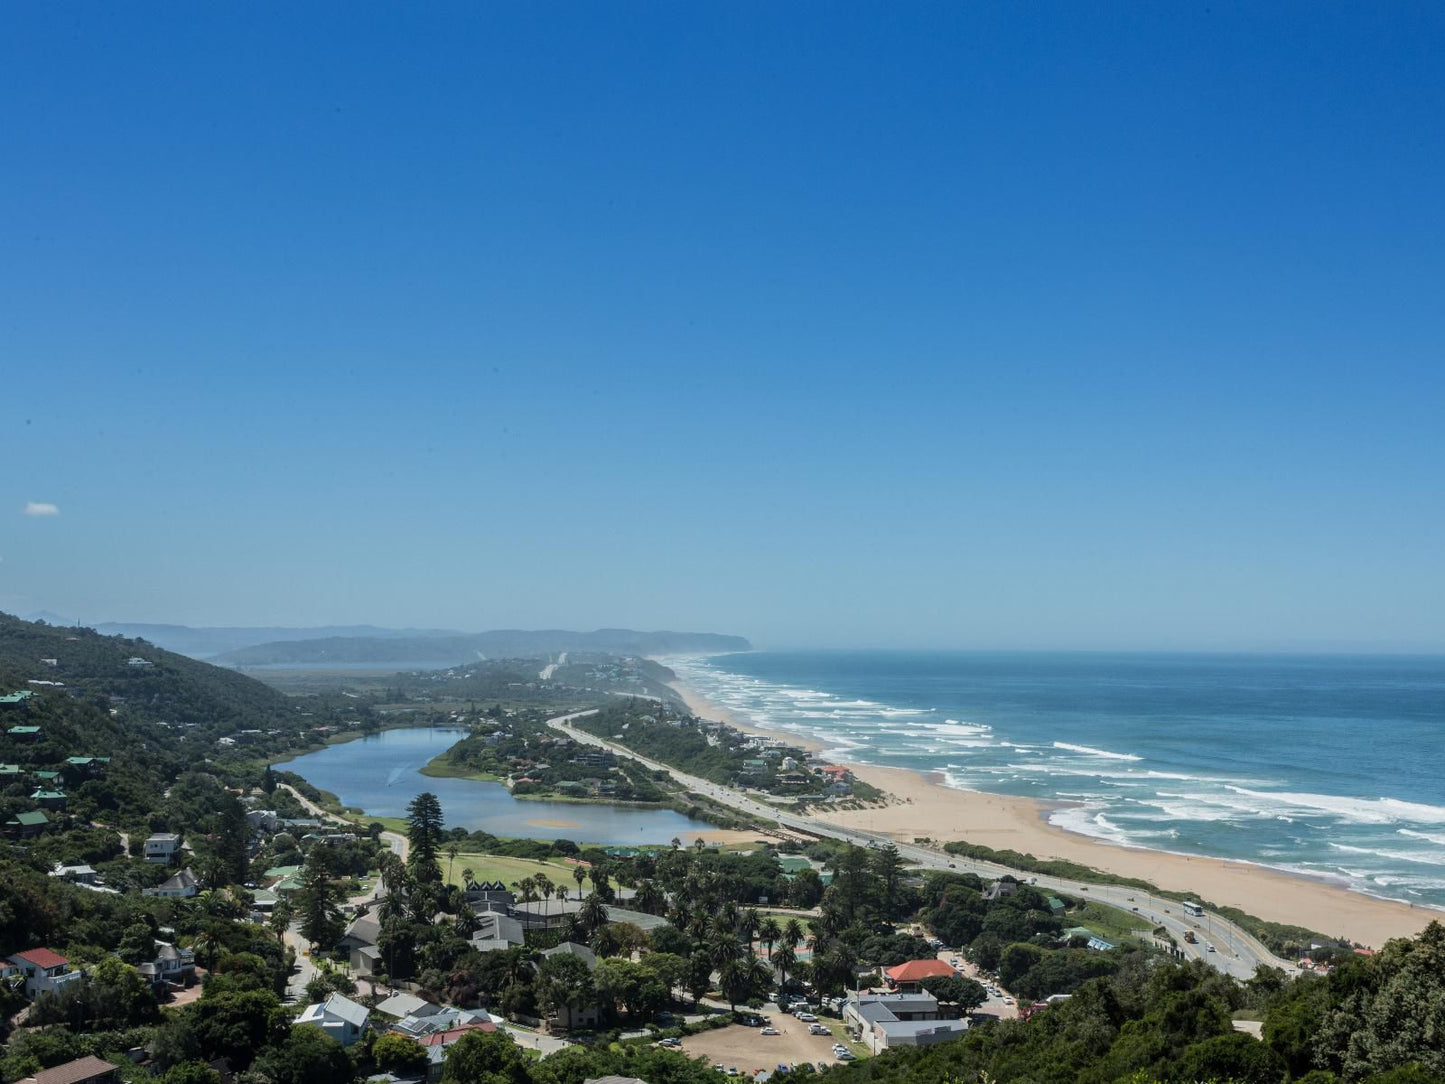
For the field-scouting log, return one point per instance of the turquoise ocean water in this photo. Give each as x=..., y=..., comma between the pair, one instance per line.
x=1332, y=766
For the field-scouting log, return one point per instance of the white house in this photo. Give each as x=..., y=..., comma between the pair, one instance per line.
x=170, y=965
x=338, y=1016
x=45, y=972
x=182, y=885
x=162, y=847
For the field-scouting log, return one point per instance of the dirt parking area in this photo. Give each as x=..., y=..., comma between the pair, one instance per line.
x=750, y=1051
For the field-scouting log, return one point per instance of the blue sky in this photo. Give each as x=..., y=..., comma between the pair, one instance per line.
x=946, y=325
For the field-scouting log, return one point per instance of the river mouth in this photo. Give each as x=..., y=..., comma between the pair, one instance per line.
x=381, y=774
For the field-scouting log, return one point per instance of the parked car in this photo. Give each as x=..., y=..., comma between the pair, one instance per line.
x=847, y=1055
x=769, y=1031
x=818, y=1029
x=806, y=1017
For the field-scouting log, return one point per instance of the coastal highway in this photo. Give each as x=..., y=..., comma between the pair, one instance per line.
x=1235, y=952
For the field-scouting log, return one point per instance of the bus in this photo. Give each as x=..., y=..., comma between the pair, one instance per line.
x=1193, y=909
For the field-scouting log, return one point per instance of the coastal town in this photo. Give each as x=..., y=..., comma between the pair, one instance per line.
x=236, y=923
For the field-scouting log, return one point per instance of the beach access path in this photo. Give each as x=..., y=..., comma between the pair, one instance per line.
x=1221, y=943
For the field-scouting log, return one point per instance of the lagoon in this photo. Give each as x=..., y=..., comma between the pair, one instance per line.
x=381, y=773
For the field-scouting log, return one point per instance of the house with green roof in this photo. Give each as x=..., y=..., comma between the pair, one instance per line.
x=49, y=799
x=16, y=700
x=28, y=824
x=10, y=773
x=24, y=733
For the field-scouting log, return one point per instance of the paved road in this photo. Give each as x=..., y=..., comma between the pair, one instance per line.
x=1235, y=951
x=305, y=969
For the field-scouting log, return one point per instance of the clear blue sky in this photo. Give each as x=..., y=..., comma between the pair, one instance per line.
x=929, y=324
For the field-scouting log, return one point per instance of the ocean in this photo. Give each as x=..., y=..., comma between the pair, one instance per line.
x=1329, y=766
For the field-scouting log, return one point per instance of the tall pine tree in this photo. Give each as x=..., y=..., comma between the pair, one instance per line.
x=424, y=829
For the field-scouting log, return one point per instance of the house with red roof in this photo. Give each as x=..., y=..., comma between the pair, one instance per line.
x=908, y=978
x=45, y=972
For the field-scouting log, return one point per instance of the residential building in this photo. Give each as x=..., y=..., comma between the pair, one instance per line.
x=24, y=733
x=45, y=972
x=887, y=1021
x=401, y=1006
x=495, y=926
x=338, y=1016
x=30, y=823
x=49, y=799
x=162, y=847
x=365, y=929
x=170, y=966
x=87, y=1070
x=182, y=885
x=81, y=874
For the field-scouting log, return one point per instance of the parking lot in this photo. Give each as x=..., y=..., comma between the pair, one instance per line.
x=749, y=1051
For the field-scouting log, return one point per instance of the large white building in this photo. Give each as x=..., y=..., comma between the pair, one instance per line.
x=885, y=1021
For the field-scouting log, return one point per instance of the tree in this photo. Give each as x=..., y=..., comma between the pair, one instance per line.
x=699, y=975
x=399, y=1054
x=190, y=1072
x=785, y=960
x=591, y=916
x=564, y=982
x=888, y=868
x=424, y=830
x=579, y=874
x=769, y=931
x=307, y=1056
x=1239, y=1058
x=965, y=994
x=318, y=903
x=491, y=1058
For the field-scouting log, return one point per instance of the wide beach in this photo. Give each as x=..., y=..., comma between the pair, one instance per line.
x=924, y=808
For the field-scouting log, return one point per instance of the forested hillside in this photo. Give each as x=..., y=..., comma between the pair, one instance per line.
x=155, y=717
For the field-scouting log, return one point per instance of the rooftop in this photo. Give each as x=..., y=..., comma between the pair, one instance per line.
x=42, y=957
x=918, y=970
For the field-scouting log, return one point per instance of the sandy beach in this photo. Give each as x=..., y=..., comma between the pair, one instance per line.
x=927, y=809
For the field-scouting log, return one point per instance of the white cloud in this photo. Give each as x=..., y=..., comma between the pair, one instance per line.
x=41, y=508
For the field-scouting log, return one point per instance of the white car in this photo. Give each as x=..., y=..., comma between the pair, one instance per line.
x=818, y=1029
x=770, y=1031
x=847, y=1055
x=806, y=1017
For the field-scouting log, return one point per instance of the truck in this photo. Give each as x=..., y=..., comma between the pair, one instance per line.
x=1189, y=936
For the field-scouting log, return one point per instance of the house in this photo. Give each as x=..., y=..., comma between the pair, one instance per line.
x=835, y=773
x=49, y=799
x=24, y=733
x=401, y=1006
x=365, y=929
x=338, y=1016
x=837, y=789
x=10, y=773
x=28, y=824
x=82, y=874
x=87, y=1070
x=495, y=926
x=170, y=966
x=45, y=972
x=162, y=847
x=613, y=1078
x=15, y=701
x=138, y=663
x=182, y=885
x=1056, y=906
x=366, y=961
x=571, y=948
x=1091, y=939
x=263, y=820
x=887, y=1021
x=1000, y=890
x=908, y=978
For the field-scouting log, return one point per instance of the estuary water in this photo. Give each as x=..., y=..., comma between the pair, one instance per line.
x=381, y=774
x=1331, y=766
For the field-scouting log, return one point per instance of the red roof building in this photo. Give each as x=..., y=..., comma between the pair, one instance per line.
x=42, y=957
x=906, y=977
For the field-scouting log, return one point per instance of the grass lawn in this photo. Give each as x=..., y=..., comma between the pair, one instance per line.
x=495, y=867
x=440, y=768
x=1110, y=923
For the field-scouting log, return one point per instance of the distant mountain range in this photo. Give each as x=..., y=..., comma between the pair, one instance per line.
x=205, y=643
x=352, y=644
x=467, y=647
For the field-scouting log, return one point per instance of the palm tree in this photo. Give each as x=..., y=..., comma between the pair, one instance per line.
x=452, y=851
x=792, y=933
x=650, y=897
x=547, y=888
x=769, y=931
x=785, y=960
x=467, y=875
x=579, y=874
x=750, y=922
x=592, y=915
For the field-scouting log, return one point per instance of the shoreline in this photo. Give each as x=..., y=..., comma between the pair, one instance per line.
x=922, y=807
